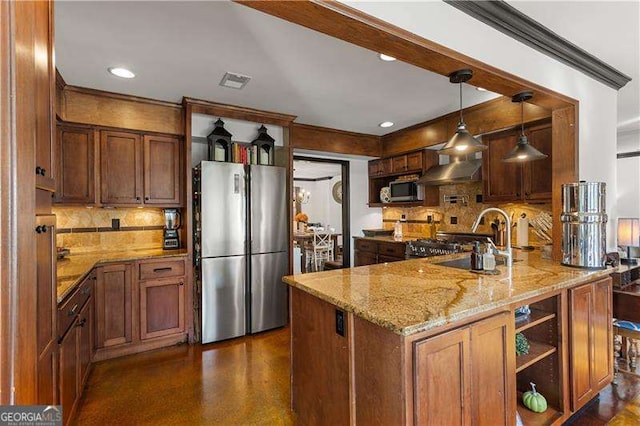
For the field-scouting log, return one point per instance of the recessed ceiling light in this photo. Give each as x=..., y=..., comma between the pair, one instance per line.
x=386, y=124
x=234, y=80
x=481, y=89
x=121, y=72
x=386, y=58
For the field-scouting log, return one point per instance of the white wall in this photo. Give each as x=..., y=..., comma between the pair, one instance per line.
x=629, y=175
x=443, y=24
x=361, y=216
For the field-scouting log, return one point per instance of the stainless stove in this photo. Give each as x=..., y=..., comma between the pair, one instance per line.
x=432, y=247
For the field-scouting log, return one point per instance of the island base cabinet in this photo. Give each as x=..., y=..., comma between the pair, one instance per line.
x=467, y=376
x=320, y=391
x=591, y=338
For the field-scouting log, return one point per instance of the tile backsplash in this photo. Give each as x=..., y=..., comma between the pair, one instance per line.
x=459, y=217
x=84, y=229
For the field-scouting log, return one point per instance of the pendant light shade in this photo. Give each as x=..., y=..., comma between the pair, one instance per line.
x=462, y=142
x=523, y=151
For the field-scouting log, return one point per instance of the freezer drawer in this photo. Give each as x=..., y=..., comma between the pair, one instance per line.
x=269, y=230
x=223, y=298
x=223, y=209
x=268, y=292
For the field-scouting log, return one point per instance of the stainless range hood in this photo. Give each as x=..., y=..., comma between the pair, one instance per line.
x=459, y=170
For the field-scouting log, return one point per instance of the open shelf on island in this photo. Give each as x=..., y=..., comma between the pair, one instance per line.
x=537, y=351
x=529, y=418
x=535, y=317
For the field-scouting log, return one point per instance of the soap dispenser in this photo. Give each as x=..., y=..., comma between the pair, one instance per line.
x=476, y=257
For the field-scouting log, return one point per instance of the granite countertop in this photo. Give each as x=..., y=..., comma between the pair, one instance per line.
x=415, y=295
x=71, y=270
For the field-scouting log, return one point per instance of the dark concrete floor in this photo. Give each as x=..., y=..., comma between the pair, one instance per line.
x=241, y=381
x=246, y=381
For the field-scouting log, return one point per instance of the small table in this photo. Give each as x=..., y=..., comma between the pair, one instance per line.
x=303, y=238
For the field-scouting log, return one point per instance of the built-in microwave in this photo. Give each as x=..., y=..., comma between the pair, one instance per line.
x=406, y=191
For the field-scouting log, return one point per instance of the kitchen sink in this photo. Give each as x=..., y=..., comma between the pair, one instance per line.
x=465, y=263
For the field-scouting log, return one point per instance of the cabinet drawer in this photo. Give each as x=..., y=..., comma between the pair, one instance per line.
x=387, y=259
x=366, y=245
x=392, y=249
x=161, y=269
x=69, y=309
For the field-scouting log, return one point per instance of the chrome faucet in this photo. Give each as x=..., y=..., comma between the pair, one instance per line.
x=507, y=253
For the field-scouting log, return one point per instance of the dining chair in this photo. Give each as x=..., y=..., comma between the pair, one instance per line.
x=322, y=247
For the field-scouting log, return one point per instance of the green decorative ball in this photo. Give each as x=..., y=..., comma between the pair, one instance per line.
x=522, y=344
x=534, y=401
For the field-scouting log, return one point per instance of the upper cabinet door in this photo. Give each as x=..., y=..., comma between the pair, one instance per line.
x=121, y=168
x=502, y=181
x=162, y=170
x=44, y=75
x=75, y=180
x=414, y=161
x=537, y=174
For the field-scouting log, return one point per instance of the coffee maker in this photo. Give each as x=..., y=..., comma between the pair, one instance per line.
x=170, y=238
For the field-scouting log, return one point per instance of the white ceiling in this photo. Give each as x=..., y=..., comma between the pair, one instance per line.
x=314, y=169
x=183, y=49
x=609, y=30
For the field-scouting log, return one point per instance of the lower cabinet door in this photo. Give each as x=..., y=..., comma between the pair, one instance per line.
x=602, y=334
x=113, y=305
x=161, y=307
x=493, y=371
x=68, y=373
x=581, y=340
x=363, y=258
x=442, y=382
x=47, y=376
x=85, y=342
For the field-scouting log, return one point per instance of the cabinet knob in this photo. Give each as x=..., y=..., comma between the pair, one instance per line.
x=181, y=283
x=146, y=198
x=81, y=323
x=43, y=172
x=40, y=229
x=138, y=198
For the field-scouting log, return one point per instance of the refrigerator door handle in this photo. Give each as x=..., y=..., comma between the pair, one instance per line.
x=236, y=183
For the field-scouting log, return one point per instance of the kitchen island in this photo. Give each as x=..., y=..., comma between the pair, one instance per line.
x=414, y=342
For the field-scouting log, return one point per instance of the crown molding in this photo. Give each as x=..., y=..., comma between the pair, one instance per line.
x=510, y=21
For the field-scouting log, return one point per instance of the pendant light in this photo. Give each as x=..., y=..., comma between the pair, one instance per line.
x=523, y=151
x=462, y=142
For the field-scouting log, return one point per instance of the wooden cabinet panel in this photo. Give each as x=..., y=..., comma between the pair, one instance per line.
x=75, y=151
x=366, y=245
x=47, y=376
x=362, y=258
x=374, y=167
x=162, y=170
x=85, y=343
x=68, y=374
x=162, y=268
x=399, y=164
x=161, y=308
x=538, y=174
x=120, y=168
x=385, y=166
x=113, y=305
x=44, y=76
x=46, y=281
x=493, y=371
x=392, y=249
x=502, y=181
x=602, y=334
x=320, y=391
x=388, y=259
x=591, y=340
x=414, y=161
x=442, y=382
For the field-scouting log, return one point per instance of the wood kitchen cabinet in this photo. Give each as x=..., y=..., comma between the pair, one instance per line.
x=162, y=175
x=120, y=168
x=504, y=182
x=161, y=307
x=75, y=320
x=471, y=371
x=591, y=340
x=75, y=182
x=45, y=235
x=44, y=95
x=369, y=252
x=113, y=305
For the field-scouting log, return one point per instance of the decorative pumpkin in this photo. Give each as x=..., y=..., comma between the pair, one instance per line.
x=522, y=344
x=534, y=401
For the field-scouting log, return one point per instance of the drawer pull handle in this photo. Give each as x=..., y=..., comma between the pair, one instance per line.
x=86, y=290
x=162, y=269
x=81, y=323
x=72, y=311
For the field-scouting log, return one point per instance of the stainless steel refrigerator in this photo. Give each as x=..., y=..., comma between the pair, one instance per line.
x=240, y=248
